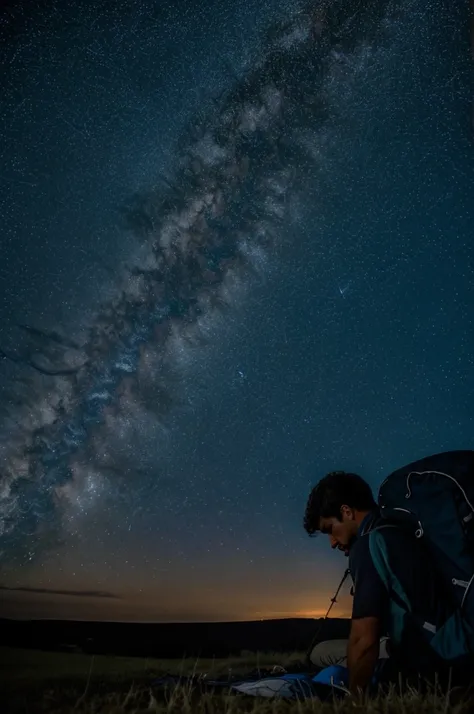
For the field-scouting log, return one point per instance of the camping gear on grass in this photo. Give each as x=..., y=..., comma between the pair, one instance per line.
x=293, y=686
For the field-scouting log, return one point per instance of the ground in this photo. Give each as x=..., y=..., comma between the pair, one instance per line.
x=63, y=683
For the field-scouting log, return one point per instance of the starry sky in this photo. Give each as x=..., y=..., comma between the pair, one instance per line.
x=237, y=253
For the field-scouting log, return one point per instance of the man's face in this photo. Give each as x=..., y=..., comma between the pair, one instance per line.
x=341, y=533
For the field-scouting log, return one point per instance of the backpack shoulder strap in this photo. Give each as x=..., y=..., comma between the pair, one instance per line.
x=379, y=555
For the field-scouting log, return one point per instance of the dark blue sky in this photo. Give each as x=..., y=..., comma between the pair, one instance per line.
x=344, y=342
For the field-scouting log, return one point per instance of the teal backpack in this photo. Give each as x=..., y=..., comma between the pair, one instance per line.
x=434, y=499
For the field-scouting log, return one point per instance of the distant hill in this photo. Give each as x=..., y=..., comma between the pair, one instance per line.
x=170, y=640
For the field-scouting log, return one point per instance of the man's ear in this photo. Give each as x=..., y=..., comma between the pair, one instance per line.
x=347, y=513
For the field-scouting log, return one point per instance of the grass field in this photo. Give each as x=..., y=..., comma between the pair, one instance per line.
x=56, y=683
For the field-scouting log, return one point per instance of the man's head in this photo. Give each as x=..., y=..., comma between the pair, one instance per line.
x=336, y=506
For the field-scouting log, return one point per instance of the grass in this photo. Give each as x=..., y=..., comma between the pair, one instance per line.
x=33, y=665
x=57, y=683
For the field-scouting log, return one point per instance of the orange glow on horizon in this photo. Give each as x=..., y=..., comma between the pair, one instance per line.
x=303, y=614
x=172, y=605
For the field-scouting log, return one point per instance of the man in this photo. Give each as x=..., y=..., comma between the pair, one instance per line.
x=342, y=506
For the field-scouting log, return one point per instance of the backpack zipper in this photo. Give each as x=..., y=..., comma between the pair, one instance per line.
x=439, y=473
x=462, y=583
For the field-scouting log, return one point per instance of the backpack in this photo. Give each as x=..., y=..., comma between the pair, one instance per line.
x=434, y=499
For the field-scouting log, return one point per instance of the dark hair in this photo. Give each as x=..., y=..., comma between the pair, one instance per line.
x=336, y=489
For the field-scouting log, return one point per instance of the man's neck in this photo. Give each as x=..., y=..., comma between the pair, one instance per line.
x=359, y=516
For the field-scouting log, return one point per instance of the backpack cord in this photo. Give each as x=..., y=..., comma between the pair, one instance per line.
x=321, y=623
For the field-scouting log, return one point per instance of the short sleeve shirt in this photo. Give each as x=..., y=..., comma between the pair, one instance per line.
x=371, y=597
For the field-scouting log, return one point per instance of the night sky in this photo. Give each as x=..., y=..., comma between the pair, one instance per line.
x=237, y=253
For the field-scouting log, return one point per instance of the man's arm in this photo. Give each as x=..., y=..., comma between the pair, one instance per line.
x=369, y=613
x=362, y=652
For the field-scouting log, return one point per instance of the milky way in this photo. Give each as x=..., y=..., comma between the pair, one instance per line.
x=214, y=221
x=209, y=224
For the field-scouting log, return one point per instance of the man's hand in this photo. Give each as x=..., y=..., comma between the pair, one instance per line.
x=362, y=652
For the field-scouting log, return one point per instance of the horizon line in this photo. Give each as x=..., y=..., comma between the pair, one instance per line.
x=168, y=622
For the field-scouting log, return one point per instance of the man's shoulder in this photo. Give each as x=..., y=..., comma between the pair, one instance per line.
x=394, y=536
x=402, y=548
x=359, y=551
x=374, y=521
x=391, y=530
